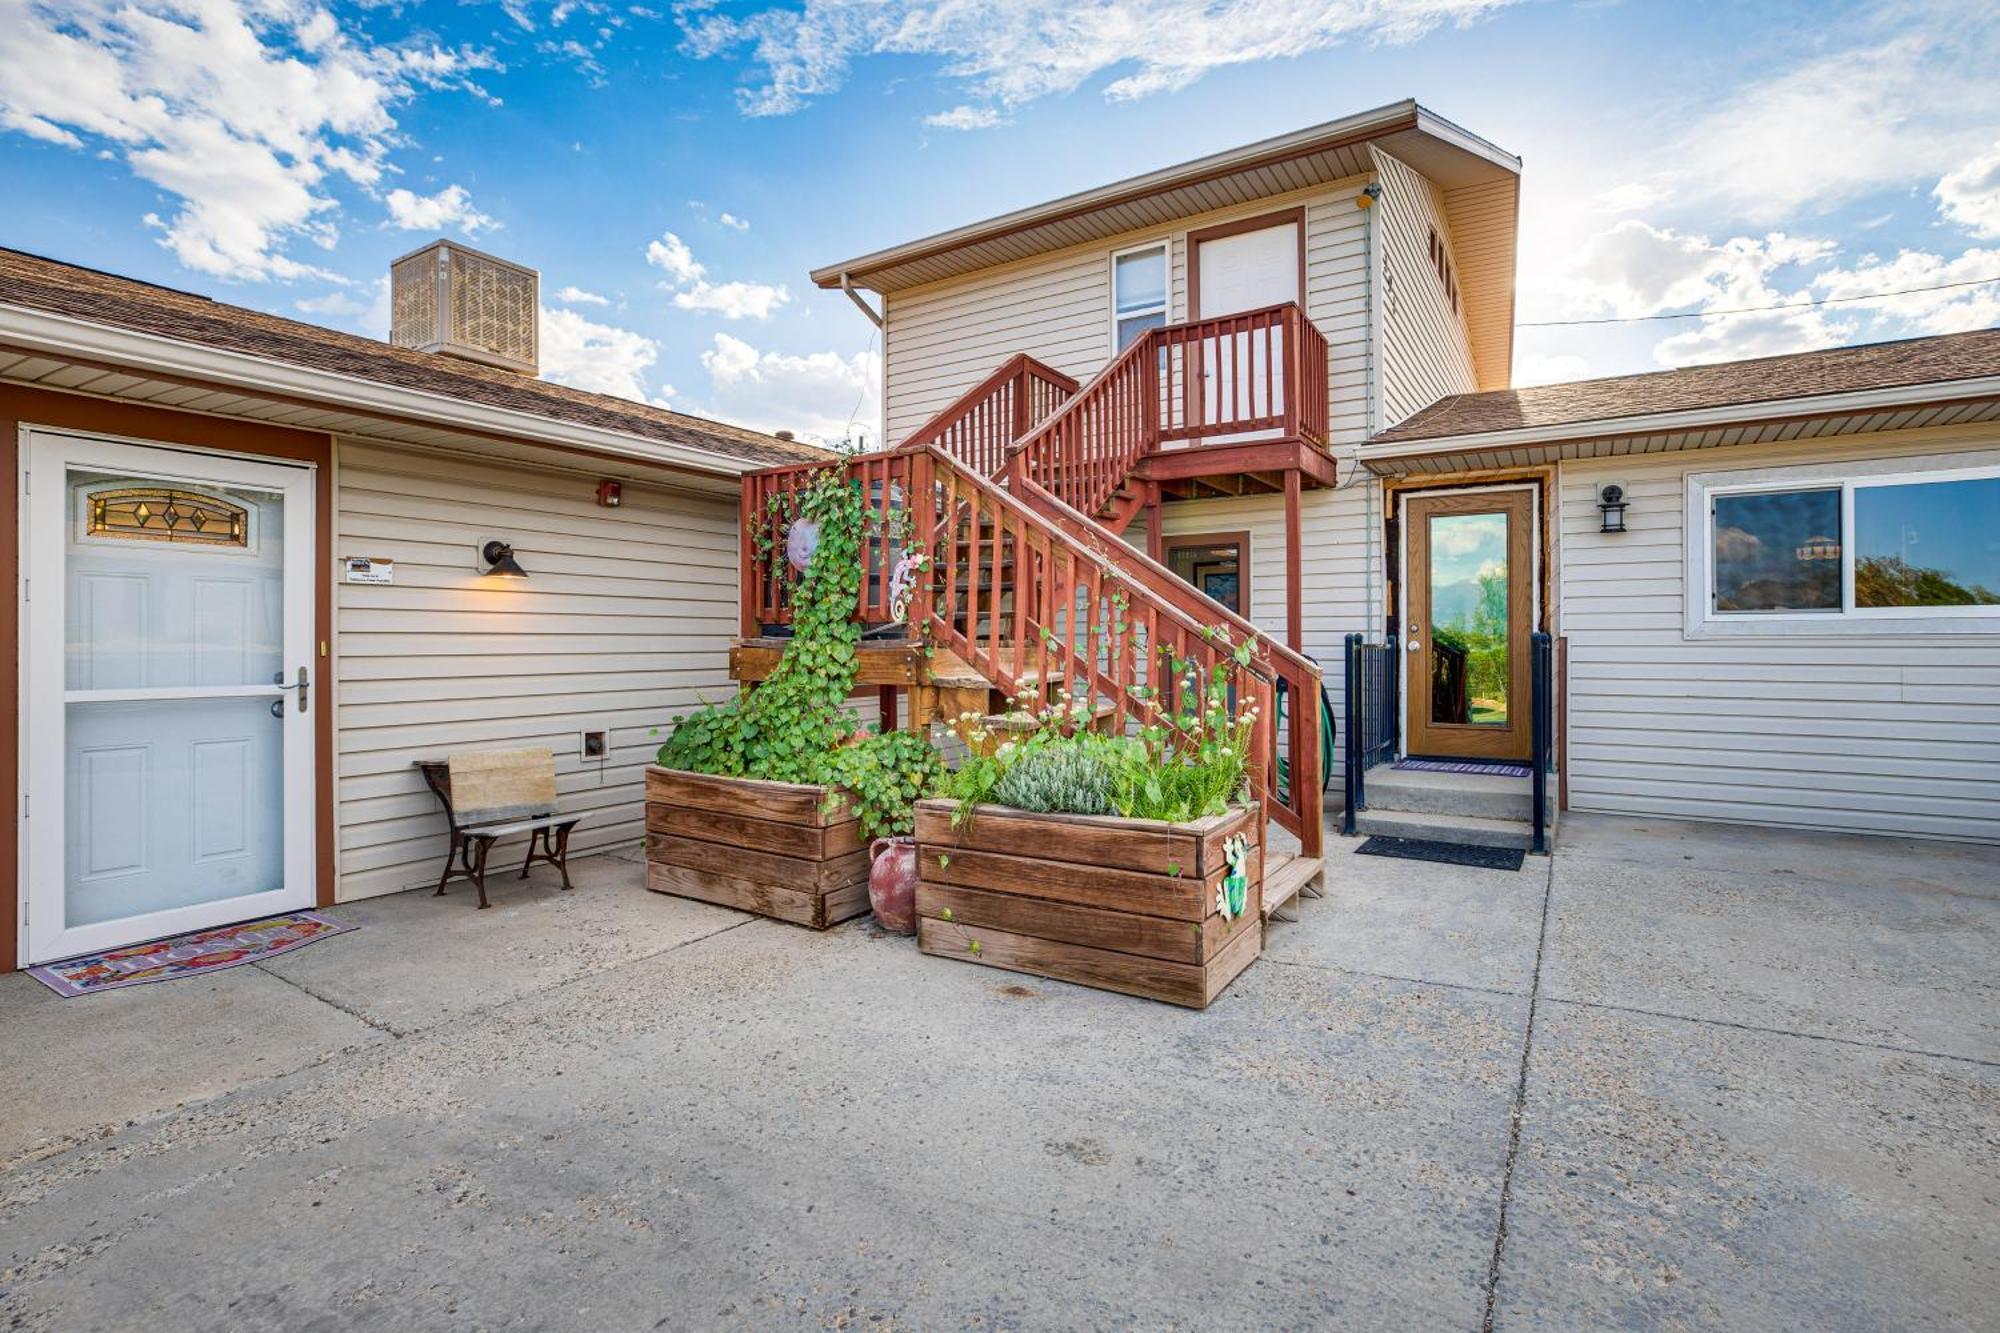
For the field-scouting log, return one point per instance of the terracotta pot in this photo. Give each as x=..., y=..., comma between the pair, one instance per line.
x=892, y=884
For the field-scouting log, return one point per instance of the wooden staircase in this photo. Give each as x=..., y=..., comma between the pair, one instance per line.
x=1018, y=492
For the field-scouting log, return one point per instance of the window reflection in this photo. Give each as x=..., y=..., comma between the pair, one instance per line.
x=1778, y=551
x=1930, y=543
x=1468, y=595
x=1214, y=567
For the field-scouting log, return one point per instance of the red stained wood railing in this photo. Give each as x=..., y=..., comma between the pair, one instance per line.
x=1028, y=588
x=1035, y=596
x=1214, y=381
x=1049, y=601
x=766, y=511
x=978, y=428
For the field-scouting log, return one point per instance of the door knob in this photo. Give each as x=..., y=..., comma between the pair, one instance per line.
x=1413, y=645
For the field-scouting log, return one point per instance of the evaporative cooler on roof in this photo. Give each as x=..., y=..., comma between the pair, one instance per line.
x=456, y=301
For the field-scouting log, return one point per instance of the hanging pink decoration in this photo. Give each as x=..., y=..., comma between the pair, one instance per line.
x=801, y=542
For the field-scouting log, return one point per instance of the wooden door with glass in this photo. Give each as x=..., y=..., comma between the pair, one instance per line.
x=1469, y=609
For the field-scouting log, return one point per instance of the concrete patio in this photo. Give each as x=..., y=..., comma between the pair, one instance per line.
x=1675, y=1076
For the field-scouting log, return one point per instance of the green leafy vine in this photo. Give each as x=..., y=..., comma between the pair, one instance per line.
x=795, y=727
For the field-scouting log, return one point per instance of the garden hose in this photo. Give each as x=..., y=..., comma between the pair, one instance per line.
x=1327, y=737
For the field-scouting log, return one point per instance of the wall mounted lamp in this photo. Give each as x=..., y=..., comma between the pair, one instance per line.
x=1611, y=508
x=498, y=557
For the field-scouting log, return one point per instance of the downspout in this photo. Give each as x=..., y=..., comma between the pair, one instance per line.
x=848, y=286
x=1374, y=615
x=882, y=386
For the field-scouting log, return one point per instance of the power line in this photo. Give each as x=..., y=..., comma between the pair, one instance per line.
x=1757, y=309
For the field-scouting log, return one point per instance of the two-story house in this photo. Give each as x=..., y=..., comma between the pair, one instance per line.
x=1765, y=592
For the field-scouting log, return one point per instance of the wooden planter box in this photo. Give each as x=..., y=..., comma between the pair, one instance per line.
x=765, y=847
x=1120, y=904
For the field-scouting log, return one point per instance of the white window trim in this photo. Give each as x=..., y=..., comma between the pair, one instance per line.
x=1702, y=622
x=1165, y=245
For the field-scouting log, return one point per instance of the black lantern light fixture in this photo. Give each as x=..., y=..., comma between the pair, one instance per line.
x=500, y=563
x=1611, y=508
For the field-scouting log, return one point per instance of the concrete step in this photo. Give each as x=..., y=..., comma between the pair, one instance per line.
x=1479, y=795
x=1470, y=830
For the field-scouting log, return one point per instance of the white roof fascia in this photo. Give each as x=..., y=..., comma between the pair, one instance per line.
x=62, y=335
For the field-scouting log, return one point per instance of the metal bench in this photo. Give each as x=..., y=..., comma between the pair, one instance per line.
x=489, y=795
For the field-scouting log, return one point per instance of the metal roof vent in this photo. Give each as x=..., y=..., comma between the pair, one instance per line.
x=457, y=301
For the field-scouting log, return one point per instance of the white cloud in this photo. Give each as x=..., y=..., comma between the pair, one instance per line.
x=1953, y=309
x=584, y=354
x=1907, y=96
x=1627, y=198
x=966, y=118
x=815, y=396
x=671, y=253
x=1011, y=55
x=1635, y=269
x=449, y=207
x=1548, y=368
x=578, y=296
x=687, y=278
x=246, y=110
x=333, y=303
x=734, y=223
x=733, y=300
x=1970, y=195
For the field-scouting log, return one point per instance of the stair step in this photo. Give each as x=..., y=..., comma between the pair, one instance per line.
x=1480, y=795
x=948, y=669
x=1470, y=830
x=1285, y=877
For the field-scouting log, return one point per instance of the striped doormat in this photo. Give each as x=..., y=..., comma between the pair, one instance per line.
x=185, y=955
x=1498, y=768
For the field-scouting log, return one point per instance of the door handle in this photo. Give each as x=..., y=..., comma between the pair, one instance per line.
x=278, y=679
x=1414, y=645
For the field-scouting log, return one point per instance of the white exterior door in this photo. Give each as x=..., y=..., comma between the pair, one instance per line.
x=168, y=741
x=1243, y=271
x=1249, y=270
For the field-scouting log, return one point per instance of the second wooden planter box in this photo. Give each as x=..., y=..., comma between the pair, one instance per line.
x=1120, y=904
x=774, y=848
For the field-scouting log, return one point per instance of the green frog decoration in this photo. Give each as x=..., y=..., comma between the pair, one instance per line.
x=1232, y=895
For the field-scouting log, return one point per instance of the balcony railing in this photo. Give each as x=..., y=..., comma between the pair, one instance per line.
x=978, y=428
x=1236, y=379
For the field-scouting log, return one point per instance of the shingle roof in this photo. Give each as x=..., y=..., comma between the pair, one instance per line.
x=101, y=298
x=1939, y=360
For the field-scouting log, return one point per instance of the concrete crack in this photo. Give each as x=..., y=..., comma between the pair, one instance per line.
x=1520, y=1109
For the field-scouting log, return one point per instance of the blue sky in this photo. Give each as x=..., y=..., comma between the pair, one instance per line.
x=673, y=171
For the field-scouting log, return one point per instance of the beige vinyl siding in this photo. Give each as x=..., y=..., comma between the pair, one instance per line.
x=943, y=339
x=1339, y=571
x=625, y=619
x=1482, y=240
x=1891, y=733
x=1425, y=351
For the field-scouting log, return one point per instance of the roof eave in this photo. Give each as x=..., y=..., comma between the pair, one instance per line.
x=1403, y=115
x=1688, y=420
x=64, y=335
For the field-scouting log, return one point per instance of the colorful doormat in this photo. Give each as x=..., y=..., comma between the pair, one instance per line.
x=1498, y=768
x=186, y=955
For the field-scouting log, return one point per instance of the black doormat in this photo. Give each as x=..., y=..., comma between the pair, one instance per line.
x=1444, y=853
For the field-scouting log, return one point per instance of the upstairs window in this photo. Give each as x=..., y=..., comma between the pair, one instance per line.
x=1138, y=293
